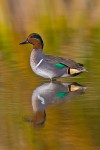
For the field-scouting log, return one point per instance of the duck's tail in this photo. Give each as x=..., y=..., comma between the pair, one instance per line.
x=84, y=70
x=74, y=72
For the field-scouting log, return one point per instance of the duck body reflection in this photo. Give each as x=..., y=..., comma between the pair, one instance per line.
x=52, y=93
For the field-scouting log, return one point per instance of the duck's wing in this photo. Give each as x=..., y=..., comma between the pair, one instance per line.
x=67, y=62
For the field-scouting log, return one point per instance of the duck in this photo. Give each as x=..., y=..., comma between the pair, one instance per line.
x=49, y=66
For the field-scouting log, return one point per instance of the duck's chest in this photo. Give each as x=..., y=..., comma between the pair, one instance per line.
x=39, y=69
x=38, y=64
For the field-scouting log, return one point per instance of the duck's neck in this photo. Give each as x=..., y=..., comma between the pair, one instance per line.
x=36, y=55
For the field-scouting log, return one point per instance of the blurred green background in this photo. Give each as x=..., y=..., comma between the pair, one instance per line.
x=71, y=29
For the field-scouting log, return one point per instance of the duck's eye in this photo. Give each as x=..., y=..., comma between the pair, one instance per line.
x=31, y=40
x=31, y=36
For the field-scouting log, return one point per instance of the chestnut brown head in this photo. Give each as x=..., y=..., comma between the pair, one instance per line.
x=34, y=39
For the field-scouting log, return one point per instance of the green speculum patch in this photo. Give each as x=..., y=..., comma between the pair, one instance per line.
x=61, y=94
x=60, y=65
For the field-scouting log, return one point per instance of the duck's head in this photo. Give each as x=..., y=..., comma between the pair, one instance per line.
x=34, y=39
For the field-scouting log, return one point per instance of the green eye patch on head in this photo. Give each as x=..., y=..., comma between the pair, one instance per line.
x=37, y=36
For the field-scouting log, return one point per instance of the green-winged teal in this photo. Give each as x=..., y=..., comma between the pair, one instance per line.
x=49, y=66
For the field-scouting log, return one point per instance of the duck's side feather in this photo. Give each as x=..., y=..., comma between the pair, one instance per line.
x=68, y=62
